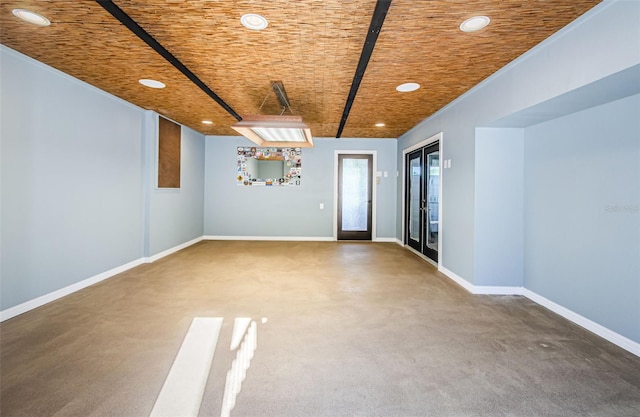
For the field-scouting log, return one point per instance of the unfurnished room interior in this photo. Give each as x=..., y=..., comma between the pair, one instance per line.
x=320, y=208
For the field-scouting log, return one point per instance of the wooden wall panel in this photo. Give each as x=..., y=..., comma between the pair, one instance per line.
x=169, y=139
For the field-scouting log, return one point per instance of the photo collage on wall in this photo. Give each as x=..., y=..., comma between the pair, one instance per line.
x=269, y=166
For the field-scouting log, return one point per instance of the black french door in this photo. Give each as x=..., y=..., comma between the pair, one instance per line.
x=422, y=200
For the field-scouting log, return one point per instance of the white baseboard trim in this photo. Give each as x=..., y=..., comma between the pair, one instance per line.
x=274, y=238
x=296, y=238
x=598, y=329
x=54, y=295
x=457, y=279
x=388, y=240
x=607, y=334
x=481, y=289
x=174, y=249
x=494, y=290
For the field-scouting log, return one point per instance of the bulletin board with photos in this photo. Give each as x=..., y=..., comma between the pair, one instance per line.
x=269, y=167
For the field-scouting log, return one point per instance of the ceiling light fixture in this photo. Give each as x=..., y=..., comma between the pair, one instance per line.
x=407, y=87
x=207, y=122
x=31, y=17
x=254, y=21
x=281, y=131
x=379, y=125
x=474, y=24
x=152, y=83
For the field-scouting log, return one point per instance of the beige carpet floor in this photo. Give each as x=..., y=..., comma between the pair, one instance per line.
x=342, y=329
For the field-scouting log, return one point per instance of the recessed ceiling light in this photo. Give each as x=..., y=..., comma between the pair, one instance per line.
x=254, y=21
x=474, y=24
x=151, y=83
x=207, y=122
x=407, y=87
x=379, y=124
x=31, y=17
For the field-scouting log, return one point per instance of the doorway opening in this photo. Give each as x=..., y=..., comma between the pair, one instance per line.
x=355, y=196
x=422, y=200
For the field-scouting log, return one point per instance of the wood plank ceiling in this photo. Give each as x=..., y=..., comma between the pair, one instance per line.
x=313, y=46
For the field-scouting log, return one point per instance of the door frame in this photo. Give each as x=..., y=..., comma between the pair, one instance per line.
x=437, y=137
x=374, y=187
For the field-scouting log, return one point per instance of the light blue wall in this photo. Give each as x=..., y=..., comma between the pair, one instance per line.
x=175, y=216
x=71, y=180
x=232, y=210
x=499, y=207
x=78, y=194
x=605, y=41
x=582, y=213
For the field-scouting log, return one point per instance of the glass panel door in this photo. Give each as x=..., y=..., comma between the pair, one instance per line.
x=354, y=196
x=414, y=199
x=422, y=200
x=433, y=186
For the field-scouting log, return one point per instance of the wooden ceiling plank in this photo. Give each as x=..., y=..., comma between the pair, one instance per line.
x=124, y=18
x=312, y=46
